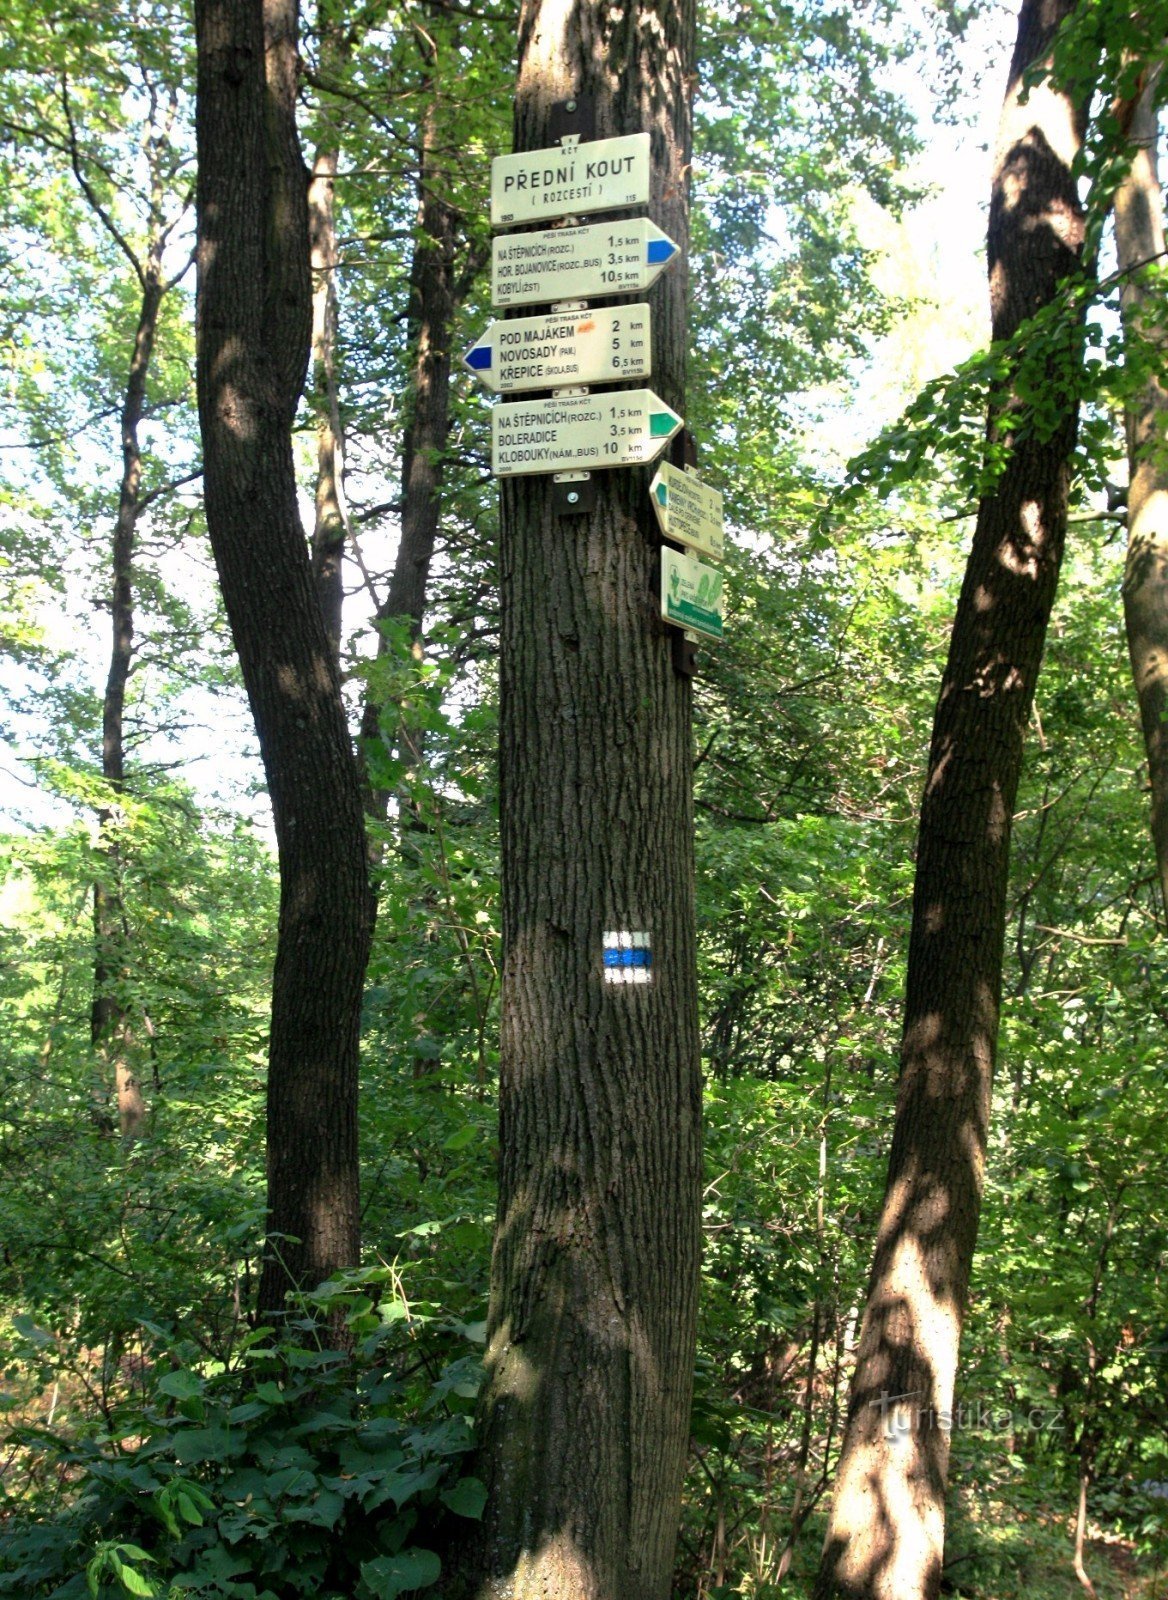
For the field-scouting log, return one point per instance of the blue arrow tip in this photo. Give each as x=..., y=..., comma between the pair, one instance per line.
x=660, y=250
x=478, y=358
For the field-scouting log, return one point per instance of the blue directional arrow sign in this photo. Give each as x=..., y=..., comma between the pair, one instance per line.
x=605, y=258
x=563, y=349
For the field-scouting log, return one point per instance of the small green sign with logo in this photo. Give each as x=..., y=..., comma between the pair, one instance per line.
x=691, y=594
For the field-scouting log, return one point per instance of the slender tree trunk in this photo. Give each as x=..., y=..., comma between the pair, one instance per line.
x=886, y=1532
x=328, y=533
x=585, y=1414
x=433, y=301
x=254, y=323
x=111, y=1026
x=1139, y=237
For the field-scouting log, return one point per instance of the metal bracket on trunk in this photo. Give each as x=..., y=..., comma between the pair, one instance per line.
x=573, y=493
x=685, y=653
x=683, y=451
x=574, y=118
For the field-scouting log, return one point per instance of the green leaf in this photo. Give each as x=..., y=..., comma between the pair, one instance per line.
x=460, y=1140
x=389, y=1576
x=466, y=1499
x=180, y=1385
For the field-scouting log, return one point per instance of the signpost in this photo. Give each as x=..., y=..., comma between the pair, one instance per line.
x=688, y=511
x=540, y=185
x=691, y=593
x=563, y=349
x=578, y=263
x=617, y=429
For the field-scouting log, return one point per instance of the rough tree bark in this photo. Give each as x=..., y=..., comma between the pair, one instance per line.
x=254, y=322
x=1139, y=237
x=886, y=1531
x=585, y=1414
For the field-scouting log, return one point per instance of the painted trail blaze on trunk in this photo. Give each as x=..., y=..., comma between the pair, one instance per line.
x=254, y=320
x=885, y=1536
x=585, y=1415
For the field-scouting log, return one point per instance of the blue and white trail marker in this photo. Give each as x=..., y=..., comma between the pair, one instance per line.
x=578, y=263
x=628, y=958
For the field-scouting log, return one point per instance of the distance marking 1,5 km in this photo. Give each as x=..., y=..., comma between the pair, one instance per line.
x=617, y=429
x=578, y=263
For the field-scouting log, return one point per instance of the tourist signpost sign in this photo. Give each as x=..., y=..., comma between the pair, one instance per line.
x=618, y=429
x=605, y=258
x=688, y=511
x=563, y=349
x=691, y=593
x=572, y=347
x=541, y=185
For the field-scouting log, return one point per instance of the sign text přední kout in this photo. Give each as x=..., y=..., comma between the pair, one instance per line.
x=540, y=185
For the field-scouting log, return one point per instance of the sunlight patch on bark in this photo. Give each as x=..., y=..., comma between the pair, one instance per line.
x=514, y=1374
x=556, y=1568
x=1046, y=115
x=546, y=71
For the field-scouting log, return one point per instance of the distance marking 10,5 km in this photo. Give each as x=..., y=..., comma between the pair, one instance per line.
x=578, y=263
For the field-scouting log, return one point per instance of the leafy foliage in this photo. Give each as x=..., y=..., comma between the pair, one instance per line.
x=289, y=1470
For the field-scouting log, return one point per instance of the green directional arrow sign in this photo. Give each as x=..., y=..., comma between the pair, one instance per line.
x=617, y=429
x=688, y=511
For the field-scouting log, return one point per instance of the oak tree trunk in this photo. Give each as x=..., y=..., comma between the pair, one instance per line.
x=1139, y=239
x=254, y=321
x=585, y=1414
x=886, y=1531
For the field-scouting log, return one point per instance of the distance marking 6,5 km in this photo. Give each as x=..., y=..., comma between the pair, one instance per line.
x=562, y=349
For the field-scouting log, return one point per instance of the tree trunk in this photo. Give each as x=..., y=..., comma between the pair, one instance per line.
x=1139, y=238
x=585, y=1414
x=328, y=533
x=254, y=321
x=886, y=1531
x=111, y=1028
x=432, y=304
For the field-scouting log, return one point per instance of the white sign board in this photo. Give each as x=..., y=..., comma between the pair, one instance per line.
x=688, y=511
x=604, y=430
x=554, y=351
x=540, y=185
x=691, y=593
x=578, y=263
